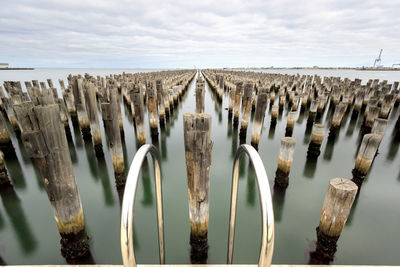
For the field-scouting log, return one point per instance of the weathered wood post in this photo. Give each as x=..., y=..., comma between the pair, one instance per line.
x=317, y=136
x=5, y=139
x=246, y=108
x=261, y=105
x=313, y=111
x=91, y=107
x=80, y=107
x=285, y=161
x=387, y=105
x=198, y=147
x=340, y=110
x=379, y=127
x=152, y=109
x=274, y=114
x=199, y=92
x=232, y=95
x=238, y=100
x=110, y=117
x=137, y=101
x=161, y=101
x=365, y=157
x=291, y=119
x=4, y=180
x=336, y=209
x=44, y=140
x=372, y=114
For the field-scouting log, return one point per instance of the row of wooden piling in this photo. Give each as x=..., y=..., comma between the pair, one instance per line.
x=374, y=101
x=40, y=119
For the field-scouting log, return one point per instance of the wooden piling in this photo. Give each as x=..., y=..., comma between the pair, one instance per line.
x=91, y=107
x=313, y=111
x=160, y=101
x=379, y=127
x=317, y=136
x=4, y=179
x=340, y=110
x=336, y=209
x=152, y=109
x=232, y=95
x=238, y=100
x=199, y=92
x=261, y=105
x=79, y=101
x=137, y=100
x=5, y=139
x=372, y=114
x=246, y=107
x=291, y=119
x=110, y=117
x=44, y=139
x=285, y=161
x=198, y=147
x=365, y=157
x=274, y=114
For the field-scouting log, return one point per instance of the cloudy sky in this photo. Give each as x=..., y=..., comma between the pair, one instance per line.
x=185, y=33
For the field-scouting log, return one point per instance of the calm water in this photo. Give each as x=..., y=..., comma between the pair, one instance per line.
x=28, y=232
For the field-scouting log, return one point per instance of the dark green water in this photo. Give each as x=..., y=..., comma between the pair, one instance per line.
x=28, y=233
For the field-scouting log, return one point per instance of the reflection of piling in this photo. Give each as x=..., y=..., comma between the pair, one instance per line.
x=317, y=136
x=198, y=146
x=44, y=139
x=285, y=160
x=335, y=211
x=261, y=105
x=137, y=101
x=291, y=119
x=238, y=100
x=365, y=157
x=246, y=108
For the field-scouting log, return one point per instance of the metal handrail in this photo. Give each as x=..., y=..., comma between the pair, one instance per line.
x=128, y=205
x=267, y=214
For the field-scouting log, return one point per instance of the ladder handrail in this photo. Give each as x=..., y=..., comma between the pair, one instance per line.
x=128, y=205
x=267, y=214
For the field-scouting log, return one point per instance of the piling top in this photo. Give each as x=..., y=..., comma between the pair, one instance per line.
x=343, y=184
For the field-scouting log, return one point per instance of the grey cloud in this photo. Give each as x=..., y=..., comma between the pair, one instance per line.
x=183, y=33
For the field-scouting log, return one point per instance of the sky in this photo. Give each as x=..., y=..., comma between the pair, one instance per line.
x=202, y=34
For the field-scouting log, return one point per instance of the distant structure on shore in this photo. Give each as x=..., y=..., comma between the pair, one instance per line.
x=3, y=65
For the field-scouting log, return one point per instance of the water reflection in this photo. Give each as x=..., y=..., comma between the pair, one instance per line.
x=251, y=185
x=16, y=214
x=351, y=127
x=77, y=134
x=105, y=182
x=234, y=147
x=278, y=200
x=164, y=152
x=14, y=170
x=310, y=167
x=147, y=193
x=91, y=158
x=307, y=135
x=271, y=132
x=330, y=147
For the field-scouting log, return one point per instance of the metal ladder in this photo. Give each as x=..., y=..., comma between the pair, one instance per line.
x=128, y=205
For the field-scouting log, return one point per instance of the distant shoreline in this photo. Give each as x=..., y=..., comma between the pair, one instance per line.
x=311, y=68
x=17, y=69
